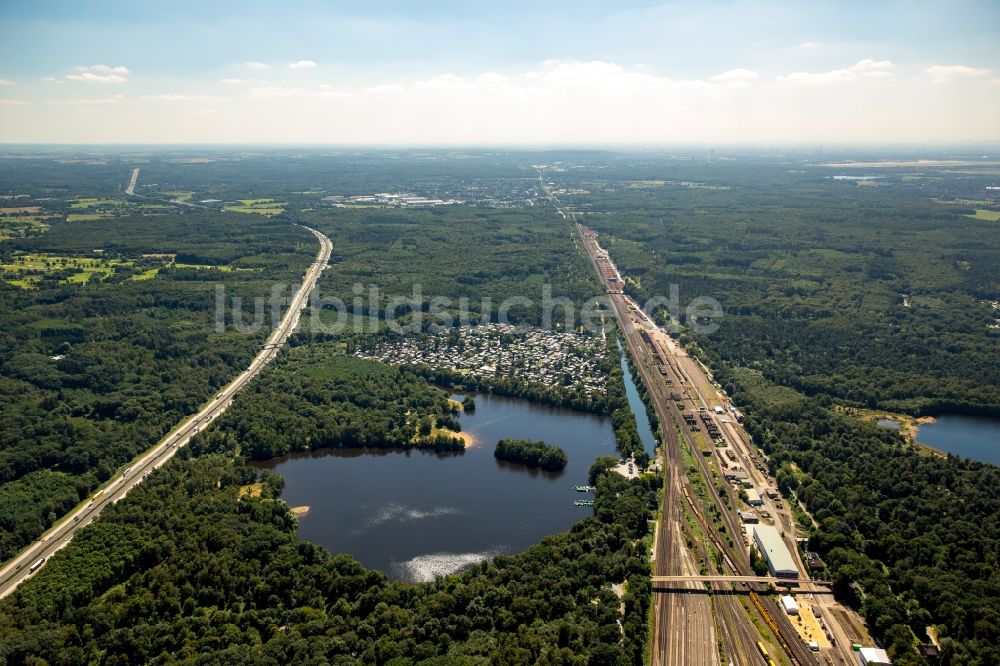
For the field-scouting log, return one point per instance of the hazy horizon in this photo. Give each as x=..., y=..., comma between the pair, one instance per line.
x=446, y=74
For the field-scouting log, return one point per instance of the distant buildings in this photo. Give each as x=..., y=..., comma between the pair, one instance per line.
x=568, y=360
x=388, y=199
x=772, y=547
x=814, y=562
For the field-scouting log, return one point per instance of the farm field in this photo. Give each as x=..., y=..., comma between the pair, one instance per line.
x=989, y=215
x=259, y=206
x=94, y=203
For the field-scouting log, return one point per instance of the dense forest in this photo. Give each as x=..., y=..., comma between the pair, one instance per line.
x=531, y=454
x=911, y=538
x=92, y=373
x=314, y=397
x=189, y=570
x=482, y=257
x=837, y=295
x=874, y=296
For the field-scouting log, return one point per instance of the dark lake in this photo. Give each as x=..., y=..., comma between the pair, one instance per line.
x=416, y=515
x=976, y=437
x=638, y=408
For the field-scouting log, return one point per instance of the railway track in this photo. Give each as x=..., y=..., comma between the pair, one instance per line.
x=735, y=627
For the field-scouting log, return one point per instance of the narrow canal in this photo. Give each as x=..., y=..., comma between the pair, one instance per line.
x=638, y=408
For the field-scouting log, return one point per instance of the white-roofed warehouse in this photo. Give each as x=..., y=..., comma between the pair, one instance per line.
x=772, y=547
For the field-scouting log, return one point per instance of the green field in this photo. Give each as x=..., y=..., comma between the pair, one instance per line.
x=988, y=215
x=259, y=206
x=145, y=275
x=93, y=202
x=31, y=268
x=86, y=217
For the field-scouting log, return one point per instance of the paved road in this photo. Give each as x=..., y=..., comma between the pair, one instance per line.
x=130, y=190
x=20, y=568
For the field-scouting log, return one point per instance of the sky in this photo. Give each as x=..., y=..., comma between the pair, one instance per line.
x=561, y=72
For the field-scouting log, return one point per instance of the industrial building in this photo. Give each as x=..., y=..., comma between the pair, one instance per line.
x=788, y=603
x=871, y=656
x=753, y=497
x=770, y=544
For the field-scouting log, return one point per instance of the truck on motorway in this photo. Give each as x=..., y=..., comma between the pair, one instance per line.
x=37, y=565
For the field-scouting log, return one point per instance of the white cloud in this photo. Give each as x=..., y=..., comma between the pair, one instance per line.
x=12, y=102
x=52, y=79
x=302, y=64
x=863, y=69
x=91, y=101
x=100, y=74
x=6, y=82
x=807, y=45
x=104, y=69
x=256, y=65
x=559, y=101
x=282, y=92
x=182, y=97
x=232, y=82
x=945, y=73
x=271, y=92
x=738, y=74
x=384, y=89
x=90, y=77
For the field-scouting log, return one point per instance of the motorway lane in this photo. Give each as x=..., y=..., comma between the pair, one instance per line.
x=130, y=190
x=17, y=570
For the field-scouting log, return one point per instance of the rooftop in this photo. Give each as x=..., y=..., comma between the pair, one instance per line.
x=769, y=539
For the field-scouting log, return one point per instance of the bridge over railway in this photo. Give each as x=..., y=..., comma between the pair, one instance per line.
x=662, y=581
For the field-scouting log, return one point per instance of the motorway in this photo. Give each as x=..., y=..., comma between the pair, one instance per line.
x=130, y=190
x=22, y=567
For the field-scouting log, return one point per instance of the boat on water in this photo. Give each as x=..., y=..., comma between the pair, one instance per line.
x=585, y=489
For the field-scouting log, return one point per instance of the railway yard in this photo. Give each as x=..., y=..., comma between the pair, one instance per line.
x=711, y=468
